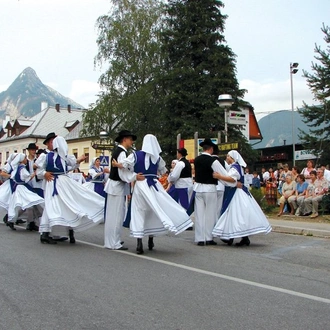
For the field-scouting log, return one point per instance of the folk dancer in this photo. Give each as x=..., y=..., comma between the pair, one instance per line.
x=205, y=193
x=69, y=206
x=240, y=215
x=153, y=210
x=23, y=196
x=117, y=189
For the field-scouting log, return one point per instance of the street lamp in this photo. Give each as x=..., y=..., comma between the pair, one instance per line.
x=225, y=101
x=293, y=70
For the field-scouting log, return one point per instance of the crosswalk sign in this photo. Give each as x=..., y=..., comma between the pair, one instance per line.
x=104, y=160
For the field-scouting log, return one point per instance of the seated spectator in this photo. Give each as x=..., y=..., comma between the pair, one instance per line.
x=307, y=170
x=271, y=188
x=288, y=189
x=326, y=172
x=296, y=201
x=255, y=180
x=294, y=172
x=321, y=186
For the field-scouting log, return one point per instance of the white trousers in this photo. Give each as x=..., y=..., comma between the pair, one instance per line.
x=114, y=218
x=205, y=215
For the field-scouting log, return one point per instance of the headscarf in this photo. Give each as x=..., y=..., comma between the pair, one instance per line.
x=151, y=147
x=237, y=157
x=15, y=162
x=60, y=148
x=92, y=163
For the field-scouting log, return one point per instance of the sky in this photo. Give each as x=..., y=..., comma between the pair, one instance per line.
x=57, y=38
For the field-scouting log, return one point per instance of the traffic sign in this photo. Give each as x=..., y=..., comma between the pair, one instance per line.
x=103, y=146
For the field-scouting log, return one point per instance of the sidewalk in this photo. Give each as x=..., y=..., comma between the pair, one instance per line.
x=319, y=227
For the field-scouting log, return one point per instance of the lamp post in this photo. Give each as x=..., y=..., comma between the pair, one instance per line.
x=293, y=70
x=104, y=136
x=225, y=101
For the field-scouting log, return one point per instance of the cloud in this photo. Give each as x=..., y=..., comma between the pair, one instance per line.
x=272, y=96
x=84, y=92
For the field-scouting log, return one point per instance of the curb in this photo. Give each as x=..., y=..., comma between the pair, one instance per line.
x=301, y=231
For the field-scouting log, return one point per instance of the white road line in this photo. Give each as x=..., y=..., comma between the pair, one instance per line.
x=226, y=277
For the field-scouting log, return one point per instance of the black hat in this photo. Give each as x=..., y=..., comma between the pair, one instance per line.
x=32, y=146
x=182, y=151
x=207, y=142
x=51, y=135
x=41, y=151
x=125, y=133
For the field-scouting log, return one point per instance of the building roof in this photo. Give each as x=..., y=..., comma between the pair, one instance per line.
x=46, y=121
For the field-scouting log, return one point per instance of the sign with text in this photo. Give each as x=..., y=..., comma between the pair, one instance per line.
x=304, y=155
x=237, y=118
x=228, y=146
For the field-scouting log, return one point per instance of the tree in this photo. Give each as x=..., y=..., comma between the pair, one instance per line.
x=318, y=116
x=199, y=66
x=128, y=42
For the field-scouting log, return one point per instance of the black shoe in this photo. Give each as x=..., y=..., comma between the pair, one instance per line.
x=211, y=243
x=5, y=219
x=60, y=239
x=19, y=221
x=32, y=226
x=122, y=248
x=200, y=243
x=71, y=235
x=45, y=238
x=151, y=243
x=190, y=228
x=139, y=247
x=228, y=241
x=11, y=225
x=244, y=241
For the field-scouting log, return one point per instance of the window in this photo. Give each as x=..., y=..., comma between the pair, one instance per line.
x=98, y=153
x=7, y=155
x=17, y=131
x=86, y=152
x=75, y=152
x=9, y=132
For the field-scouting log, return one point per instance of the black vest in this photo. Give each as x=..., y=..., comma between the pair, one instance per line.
x=203, y=169
x=186, y=171
x=114, y=170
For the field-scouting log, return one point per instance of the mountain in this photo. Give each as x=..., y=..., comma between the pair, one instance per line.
x=25, y=94
x=276, y=129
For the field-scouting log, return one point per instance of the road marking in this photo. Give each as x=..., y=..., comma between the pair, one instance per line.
x=225, y=277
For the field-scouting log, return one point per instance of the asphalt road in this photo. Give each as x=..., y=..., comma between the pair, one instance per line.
x=279, y=282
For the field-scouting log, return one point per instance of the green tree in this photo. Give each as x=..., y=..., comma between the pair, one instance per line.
x=128, y=43
x=317, y=117
x=199, y=66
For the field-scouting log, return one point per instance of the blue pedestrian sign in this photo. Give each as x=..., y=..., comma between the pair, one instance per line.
x=104, y=160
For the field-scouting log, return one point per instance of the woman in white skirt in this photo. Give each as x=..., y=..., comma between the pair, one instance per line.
x=68, y=205
x=23, y=197
x=153, y=211
x=241, y=215
x=99, y=176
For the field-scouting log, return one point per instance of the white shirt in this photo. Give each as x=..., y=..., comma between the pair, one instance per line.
x=174, y=176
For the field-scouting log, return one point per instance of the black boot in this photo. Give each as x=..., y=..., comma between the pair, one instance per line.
x=11, y=225
x=244, y=241
x=5, y=219
x=44, y=238
x=32, y=226
x=71, y=236
x=139, y=247
x=151, y=243
x=228, y=241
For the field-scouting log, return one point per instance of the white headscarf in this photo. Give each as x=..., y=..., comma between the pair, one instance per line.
x=92, y=163
x=15, y=162
x=61, y=149
x=151, y=147
x=237, y=157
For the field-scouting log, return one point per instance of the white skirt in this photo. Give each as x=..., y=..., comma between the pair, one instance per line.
x=21, y=200
x=75, y=206
x=5, y=195
x=243, y=217
x=156, y=212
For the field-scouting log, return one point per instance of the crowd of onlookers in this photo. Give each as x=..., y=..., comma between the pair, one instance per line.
x=298, y=192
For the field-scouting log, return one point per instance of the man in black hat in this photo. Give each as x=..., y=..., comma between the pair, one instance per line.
x=117, y=189
x=205, y=188
x=181, y=177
